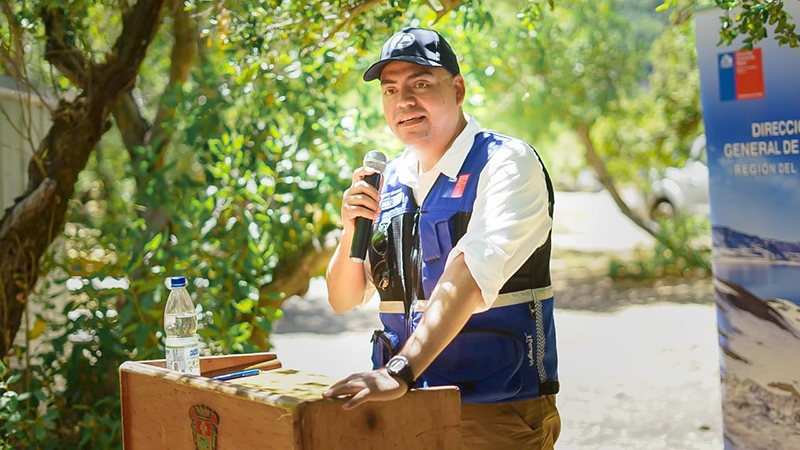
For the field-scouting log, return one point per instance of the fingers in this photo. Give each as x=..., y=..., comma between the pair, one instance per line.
x=361, y=199
x=358, y=393
x=347, y=387
x=353, y=387
x=360, y=186
x=361, y=397
x=377, y=385
x=359, y=202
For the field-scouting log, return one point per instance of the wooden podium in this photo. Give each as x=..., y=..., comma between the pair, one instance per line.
x=279, y=409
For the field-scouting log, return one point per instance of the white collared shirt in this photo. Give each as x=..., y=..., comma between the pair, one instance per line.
x=510, y=216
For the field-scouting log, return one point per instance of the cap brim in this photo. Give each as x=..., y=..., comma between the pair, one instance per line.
x=374, y=71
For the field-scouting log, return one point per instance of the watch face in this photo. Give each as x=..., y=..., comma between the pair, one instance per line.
x=396, y=365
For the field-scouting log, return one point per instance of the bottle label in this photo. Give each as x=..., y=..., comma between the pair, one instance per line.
x=183, y=355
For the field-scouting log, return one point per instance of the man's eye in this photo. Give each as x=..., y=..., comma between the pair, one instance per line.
x=389, y=91
x=421, y=84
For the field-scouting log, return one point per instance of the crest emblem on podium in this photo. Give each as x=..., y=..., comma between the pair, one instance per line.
x=204, y=427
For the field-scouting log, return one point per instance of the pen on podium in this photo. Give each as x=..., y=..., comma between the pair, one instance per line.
x=235, y=375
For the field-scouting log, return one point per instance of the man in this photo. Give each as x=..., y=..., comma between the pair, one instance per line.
x=459, y=255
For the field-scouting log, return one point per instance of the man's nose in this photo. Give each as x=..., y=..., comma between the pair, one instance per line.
x=406, y=97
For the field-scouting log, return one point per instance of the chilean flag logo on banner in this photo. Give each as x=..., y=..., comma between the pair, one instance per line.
x=741, y=75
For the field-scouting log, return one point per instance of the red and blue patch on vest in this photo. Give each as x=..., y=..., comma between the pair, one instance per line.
x=461, y=183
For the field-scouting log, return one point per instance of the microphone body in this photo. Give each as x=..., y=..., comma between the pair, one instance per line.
x=363, y=229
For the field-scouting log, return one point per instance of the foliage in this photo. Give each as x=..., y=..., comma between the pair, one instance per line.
x=658, y=122
x=237, y=190
x=752, y=20
x=689, y=259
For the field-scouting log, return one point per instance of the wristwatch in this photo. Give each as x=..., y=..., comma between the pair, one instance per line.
x=398, y=367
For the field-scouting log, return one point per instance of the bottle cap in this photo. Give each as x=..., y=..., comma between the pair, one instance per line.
x=175, y=282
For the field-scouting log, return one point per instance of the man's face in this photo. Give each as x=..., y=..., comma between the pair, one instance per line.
x=422, y=105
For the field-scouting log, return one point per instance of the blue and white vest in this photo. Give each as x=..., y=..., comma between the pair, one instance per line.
x=504, y=354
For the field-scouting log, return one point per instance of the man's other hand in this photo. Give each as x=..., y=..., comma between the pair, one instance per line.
x=363, y=387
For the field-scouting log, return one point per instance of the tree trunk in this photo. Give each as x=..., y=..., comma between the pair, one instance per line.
x=37, y=217
x=291, y=277
x=605, y=179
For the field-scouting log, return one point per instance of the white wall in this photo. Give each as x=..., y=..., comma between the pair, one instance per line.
x=24, y=120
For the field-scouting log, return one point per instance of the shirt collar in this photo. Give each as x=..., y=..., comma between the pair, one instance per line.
x=449, y=164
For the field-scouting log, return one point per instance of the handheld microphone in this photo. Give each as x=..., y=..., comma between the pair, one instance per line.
x=363, y=231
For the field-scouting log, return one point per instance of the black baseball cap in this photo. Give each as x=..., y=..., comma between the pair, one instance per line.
x=418, y=46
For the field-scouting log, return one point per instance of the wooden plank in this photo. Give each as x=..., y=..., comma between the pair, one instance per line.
x=275, y=410
x=422, y=419
x=156, y=415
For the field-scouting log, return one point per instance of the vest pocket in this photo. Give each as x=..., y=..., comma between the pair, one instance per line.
x=484, y=363
x=436, y=241
x=384, y=346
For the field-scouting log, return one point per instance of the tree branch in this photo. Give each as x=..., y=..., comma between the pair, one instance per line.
x=63, y=56
x=184, y=52
x=602, y=173
x=33, y=205
x=117, y=74
x=352, y=14
x=13, y=63
x=132, y=126
x=8, y=61
x=76, y=129
x=136, y=131
x=16, y=33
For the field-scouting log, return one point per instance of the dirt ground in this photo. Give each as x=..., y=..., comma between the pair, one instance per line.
x=582, y=284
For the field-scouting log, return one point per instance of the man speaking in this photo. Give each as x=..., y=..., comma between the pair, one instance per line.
x=459, y=255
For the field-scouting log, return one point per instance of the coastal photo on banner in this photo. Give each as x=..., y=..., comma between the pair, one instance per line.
x=751, y=108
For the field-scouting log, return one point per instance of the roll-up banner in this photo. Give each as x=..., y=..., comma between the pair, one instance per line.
x=751, y=108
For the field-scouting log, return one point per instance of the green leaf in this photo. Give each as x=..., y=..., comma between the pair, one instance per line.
x=245, y=306
x=153, y=243
x=40, y=395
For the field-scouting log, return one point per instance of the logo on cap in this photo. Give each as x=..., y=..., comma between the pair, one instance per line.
x=403, y=40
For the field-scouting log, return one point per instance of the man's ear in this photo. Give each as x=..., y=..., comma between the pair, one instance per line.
x=461, y=90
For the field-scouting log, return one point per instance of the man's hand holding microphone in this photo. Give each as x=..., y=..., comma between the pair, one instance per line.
x=360, y=204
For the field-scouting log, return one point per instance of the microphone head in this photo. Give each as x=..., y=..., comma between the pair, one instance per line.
x=375, y=160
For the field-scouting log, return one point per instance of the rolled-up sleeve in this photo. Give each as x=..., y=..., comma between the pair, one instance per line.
x=509, y=221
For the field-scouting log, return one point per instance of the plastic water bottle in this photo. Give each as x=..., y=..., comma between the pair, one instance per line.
x=180, y=325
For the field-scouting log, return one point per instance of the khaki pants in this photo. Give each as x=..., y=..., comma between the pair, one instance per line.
x=531, y=424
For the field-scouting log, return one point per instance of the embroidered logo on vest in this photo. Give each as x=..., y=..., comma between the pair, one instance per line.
x=458, y=190
x=529, y=343
x=392, y=199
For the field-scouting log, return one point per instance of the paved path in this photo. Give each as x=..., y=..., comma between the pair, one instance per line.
x=591, y=222
x=639, y=365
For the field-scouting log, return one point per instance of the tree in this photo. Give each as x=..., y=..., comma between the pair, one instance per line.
x=750, y=19
x=226, y=168
x=103, y=81
x=37, y=217
x=575, y=65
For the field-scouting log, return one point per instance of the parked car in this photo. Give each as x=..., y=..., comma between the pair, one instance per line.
x=681, y=190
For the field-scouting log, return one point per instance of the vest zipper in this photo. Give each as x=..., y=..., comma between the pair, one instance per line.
x=416, y=269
